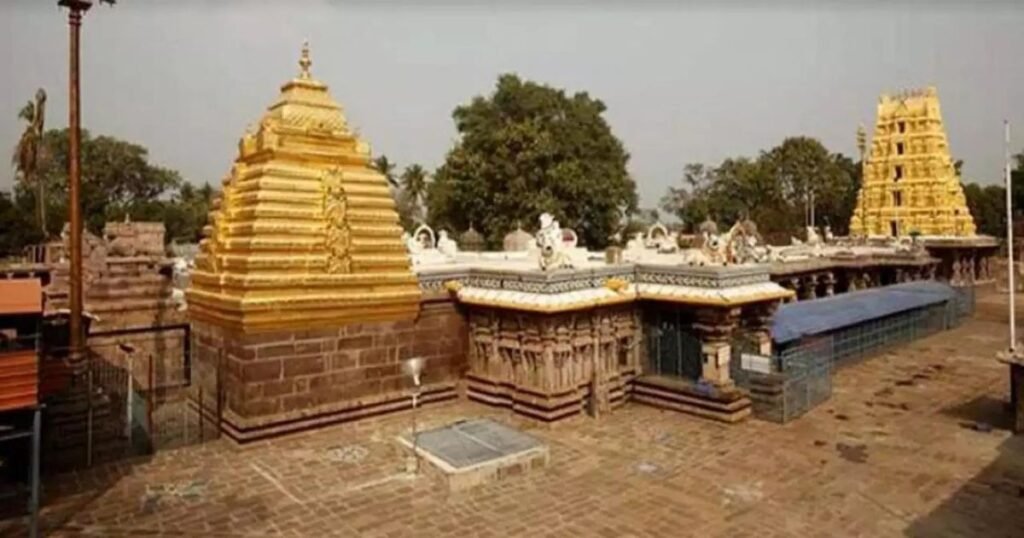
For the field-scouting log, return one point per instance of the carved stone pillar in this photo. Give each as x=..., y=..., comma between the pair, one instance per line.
x=808, y=288
x=792, y=284
x=637, y=348
x=715, y=326
x=757, y=322
x=548, y=357
x=829, y=281
x=852, y=281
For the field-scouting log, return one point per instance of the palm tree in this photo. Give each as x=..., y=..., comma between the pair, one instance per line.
x=386, y=167
x=414, y=183
x=26, y=153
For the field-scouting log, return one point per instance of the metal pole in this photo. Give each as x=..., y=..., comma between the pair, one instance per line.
x=1009, y=242
x=415, y=435
x=33, y=502
x=77, y=9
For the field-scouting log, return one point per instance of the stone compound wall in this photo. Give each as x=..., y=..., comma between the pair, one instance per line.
x=281, y=382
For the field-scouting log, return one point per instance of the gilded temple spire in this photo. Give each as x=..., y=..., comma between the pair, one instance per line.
x=910, y=184
x=305, y=232
x=305, y=62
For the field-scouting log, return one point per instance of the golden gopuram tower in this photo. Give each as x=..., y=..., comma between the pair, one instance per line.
x=305, y=232
x=910, y=184
x=303, y=302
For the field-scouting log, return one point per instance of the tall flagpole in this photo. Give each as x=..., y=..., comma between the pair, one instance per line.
x=1009, y=242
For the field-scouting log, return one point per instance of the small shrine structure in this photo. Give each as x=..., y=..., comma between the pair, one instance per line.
x=303, y=291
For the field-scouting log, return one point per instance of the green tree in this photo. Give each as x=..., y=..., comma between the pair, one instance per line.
x=185, y=214
x=812, y=179
x=836, y=212
x=776, y=190
x=527, y=149
x=117, y=180
x=408, y=213
x=409, y=208
x=1017, y=176
x=988, y=207
x=638, y=221
x=27, y=154
x=386, y=167
x=18, y=228
x=414, y=185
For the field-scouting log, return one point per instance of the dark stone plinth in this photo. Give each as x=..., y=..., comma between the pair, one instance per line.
x=280, y=382
x=726, y=404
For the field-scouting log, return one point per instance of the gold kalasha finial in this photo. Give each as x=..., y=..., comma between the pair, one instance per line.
x=304, y=61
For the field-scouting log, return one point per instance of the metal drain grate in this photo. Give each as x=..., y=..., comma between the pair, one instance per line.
x=471, y=442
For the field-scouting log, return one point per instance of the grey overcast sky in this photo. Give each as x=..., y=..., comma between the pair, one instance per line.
x=696, y=82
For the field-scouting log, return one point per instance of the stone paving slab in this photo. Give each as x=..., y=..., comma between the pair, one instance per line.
x=913, y=443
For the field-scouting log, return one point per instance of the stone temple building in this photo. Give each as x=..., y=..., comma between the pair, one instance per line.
x=910, y=183
x=307, y=298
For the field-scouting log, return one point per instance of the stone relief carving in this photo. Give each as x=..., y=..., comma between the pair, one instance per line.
x=337, y=235
x=553, y=353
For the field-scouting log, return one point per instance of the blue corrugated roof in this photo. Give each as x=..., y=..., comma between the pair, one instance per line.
x=819, y=316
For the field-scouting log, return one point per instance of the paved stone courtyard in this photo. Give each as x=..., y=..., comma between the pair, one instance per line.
x=913, y=442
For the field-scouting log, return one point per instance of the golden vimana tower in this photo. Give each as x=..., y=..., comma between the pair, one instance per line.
x=910, y=183
x=305, y=232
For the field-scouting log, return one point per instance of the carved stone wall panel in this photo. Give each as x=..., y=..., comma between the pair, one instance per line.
x=553, y=360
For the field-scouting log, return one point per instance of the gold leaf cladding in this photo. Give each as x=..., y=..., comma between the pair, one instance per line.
x=304, y=222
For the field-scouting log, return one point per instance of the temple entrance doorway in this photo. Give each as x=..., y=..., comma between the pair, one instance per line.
x=674, y=350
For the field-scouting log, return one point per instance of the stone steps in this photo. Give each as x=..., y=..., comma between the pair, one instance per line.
x=729, y=407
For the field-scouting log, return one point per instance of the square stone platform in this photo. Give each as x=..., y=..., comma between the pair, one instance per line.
x=472, y=452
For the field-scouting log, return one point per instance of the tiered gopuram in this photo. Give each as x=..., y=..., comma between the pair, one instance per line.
x=910, y=182
x=303, y=297
x=305, y=233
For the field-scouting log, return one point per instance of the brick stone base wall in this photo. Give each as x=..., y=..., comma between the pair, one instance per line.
x=286, y=381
